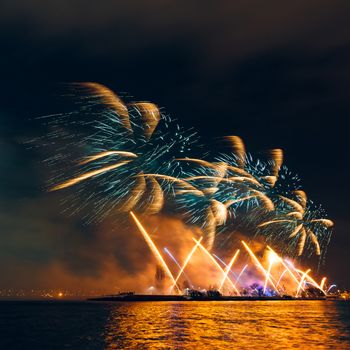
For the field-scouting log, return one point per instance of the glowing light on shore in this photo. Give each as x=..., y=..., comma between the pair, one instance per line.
x=154, y=249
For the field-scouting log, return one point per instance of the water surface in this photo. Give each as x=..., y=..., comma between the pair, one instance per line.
x=175, y=325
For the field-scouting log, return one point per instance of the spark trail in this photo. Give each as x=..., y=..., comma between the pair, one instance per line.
x=154, y=249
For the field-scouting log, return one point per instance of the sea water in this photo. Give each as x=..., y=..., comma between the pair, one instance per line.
x=175, y=325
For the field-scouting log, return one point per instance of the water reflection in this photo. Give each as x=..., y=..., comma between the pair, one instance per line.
x=240, y=325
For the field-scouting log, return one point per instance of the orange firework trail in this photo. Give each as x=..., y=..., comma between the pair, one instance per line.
x=87, y=175
x=285, y=265
x=188, y=258
x=183, y=183
x=106, y=154
x=110, y=99
x=312, y=281
x=216, y=264
x=259, y=264
x=233, y=201
x=238, y=148
x=228, y=269
x=154, y=249
x=299, y=276
x=301, y=281
x=198, y=161
x=323, y=282
x=280, y=278
x=241, y=273
x=272, y=259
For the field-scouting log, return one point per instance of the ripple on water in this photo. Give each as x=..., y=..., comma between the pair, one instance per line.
x=243, y=325
x=176, y=325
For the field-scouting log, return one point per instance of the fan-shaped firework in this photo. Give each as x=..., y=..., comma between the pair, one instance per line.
x=206, y=205
x=231, y=181
x=259, y=186
x=117, y=156
x=115, y=146
x=262, y=175
x=302, y=221
x=273, y=187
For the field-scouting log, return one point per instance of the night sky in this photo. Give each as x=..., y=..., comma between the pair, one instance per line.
x=276, y=73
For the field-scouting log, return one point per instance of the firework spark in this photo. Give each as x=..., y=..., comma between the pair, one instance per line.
x=302, y=222
x=228, y=269
x=178, y=265
x=188, y=258
x=131, y=157
x=272, y=259
x=124, y=141
x=206, y=252
x=304, y=275
x=154, y=249
x=259, y=265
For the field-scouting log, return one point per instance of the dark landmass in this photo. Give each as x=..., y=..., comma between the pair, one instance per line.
x=145, y=297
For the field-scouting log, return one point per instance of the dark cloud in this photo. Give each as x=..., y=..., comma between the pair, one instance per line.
x=246, y=25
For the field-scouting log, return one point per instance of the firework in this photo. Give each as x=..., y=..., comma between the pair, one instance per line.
x=229, y=182
x=228, y=269
x=177, y=263
x=272, y=259
x=323, y=281
x=258, y=264
x=154, y=249
x=220, y=187
x=241, y=273
x=269, y=267
x=304, y=275
x=265, y=179
x=201, y=203
x=302, y=221
x=188, y=258
x=284, y=265
x=111, y=156
x=206, y=252
x=280, y=278
x=109, y=147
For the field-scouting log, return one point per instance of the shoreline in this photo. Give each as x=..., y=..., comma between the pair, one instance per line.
x=158, y=298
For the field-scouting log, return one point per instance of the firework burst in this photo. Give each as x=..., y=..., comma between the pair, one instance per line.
x=113, y=156
x=302, y=220
x=110, y=148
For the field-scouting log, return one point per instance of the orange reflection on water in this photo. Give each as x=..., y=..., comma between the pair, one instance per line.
x=219, y=325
